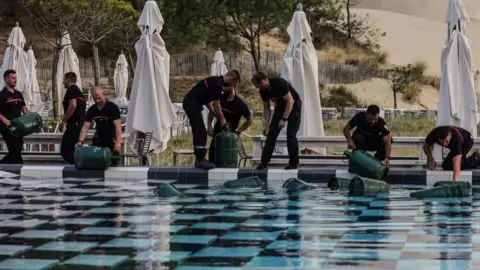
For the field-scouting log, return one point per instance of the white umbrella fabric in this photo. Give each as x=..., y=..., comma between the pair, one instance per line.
x=120, y=79
x=150, y=108
x=218, y=67
x=301, y=70
x=67, y=62
x=16, y=58
x=457, y=105
x=33, y=86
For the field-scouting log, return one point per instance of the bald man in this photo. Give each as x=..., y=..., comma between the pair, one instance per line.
x=106, y=115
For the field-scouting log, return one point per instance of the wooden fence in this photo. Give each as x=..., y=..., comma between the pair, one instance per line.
x=198, y=64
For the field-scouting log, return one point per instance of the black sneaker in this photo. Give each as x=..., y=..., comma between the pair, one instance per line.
x=204, y=164
x=262, y=166
x=291, y=167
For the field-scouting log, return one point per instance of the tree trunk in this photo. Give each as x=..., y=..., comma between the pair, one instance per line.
x=349, y=21
x=254, y=53
x=394, y=99
x=56, y=56
x=258, y=48
x=96, y=64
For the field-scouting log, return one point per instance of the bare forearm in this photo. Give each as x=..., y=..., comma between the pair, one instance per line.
x=347, y=133
x=83, y=133
x=2, y=118
x=457, y=167
x=388, y=148
x=427, y=149
x=218, y=112
x=118, y=134
x=210, y=119
x=245, y=126
x=288, y=108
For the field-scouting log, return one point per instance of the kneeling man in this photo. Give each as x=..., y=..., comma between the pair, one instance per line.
x=459, y=141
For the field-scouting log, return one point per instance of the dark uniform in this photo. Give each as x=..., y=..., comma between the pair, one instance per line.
x=369, y=137
x=278, y=89
x=233, y=110
x=105, y=129
x=74, y=123
x=11, y=107
x=460, y=143
x=204, y=92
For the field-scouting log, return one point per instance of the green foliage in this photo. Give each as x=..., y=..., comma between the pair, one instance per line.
x=400, y=77
x=412, y=92
x=340, y=97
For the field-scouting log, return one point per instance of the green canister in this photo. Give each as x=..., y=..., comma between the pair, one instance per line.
x=365, y=165
x=226, y=153
x=248, y=182
x=362, y=185
x=26, y=124
x=92, y=158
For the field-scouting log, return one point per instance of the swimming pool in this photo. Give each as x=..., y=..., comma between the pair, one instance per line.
x=103, y=224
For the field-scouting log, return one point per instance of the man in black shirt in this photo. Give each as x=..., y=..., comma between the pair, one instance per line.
x=459, y=141
x=206, y=92
x=233, y=108
x=106, y=115
x=74, y=105
x=288, y=107
x=371, y=134
x=12, y=104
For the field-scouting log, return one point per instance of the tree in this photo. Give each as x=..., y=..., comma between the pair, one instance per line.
x=52, y=19
x=399, y=78
x=249, y=20
x=95, y=20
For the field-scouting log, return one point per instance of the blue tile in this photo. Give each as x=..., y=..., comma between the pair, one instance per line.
x=251, y=204
x=302, y=204
x=233, y=252
x=13, y=250
x=97, y=260
x=272, y=197
x=285, y=263
x=41, y=234
x=226, y=198
x=317, y=230
x=270, y=223
x=27, y=264
x=388, y=213
x=405, y=264
x=187, y=199
x=236, y=214
x=129, y=243
x=110, y=210
x=207, y=206
x=103, y=231
x=25, y=223
x=79, y=247
x=442, y=231
x=286, y=212
x=244, y=190
x=158, y=228
x=438, y=247
x=185, y=267
x=302, y=245
x=162, y=256
x=214, y=226
x=339, y=208
x=328, y=218
x=201, y=191
x=188, y=217
x=251, y=236
x=374, y=237
x=78, y=221
x=137, y=219
x=365, y=254
x=86, y=203
x=193, y=239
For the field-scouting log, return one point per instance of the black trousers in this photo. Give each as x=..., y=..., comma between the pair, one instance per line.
x=69, y=139
x=467, y=162
x=370, y=143
x=14, y=146
x=293, y=125
x=193, y=110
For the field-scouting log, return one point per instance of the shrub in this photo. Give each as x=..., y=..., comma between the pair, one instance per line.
x=353, y=62
x=381, y=57
x=433, y=81
x=418, y=70
x=341, y=97
x=412, y=92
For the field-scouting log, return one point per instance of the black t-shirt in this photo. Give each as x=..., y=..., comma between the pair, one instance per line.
x=278, y=89
x=459, y=137
x=104, y=119
x=232, y=111
x=11, y=104
x=207, y=90
x=73, y=92
x=359, y=121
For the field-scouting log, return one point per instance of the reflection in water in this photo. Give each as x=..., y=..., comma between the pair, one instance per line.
x=80, y=223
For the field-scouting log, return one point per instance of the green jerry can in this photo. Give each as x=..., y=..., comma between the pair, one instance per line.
x=336, y=183
x=362, y=185
x=226, y=154
x=248, y=182
x=294, y=184
x=164, y=190
x=365, y=165
x=443, y=190
x=26, y=124
x=92, y=158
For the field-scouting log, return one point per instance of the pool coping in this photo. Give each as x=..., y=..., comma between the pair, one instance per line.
x=189, y=175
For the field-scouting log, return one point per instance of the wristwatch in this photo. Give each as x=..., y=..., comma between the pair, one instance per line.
x=285, y=119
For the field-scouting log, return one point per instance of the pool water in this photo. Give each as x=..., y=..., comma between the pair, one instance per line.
x=118, y=224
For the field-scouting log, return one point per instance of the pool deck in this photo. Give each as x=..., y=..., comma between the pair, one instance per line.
x=189, y=175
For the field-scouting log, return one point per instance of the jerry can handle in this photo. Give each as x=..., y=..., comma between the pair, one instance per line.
x=343, y=156
x=226, y=127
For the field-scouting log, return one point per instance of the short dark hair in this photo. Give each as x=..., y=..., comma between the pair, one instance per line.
x=443, y=132
x=71, y=76
x=259, y=76
x=373, y=110
x=8, y=72
x=234, y=74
